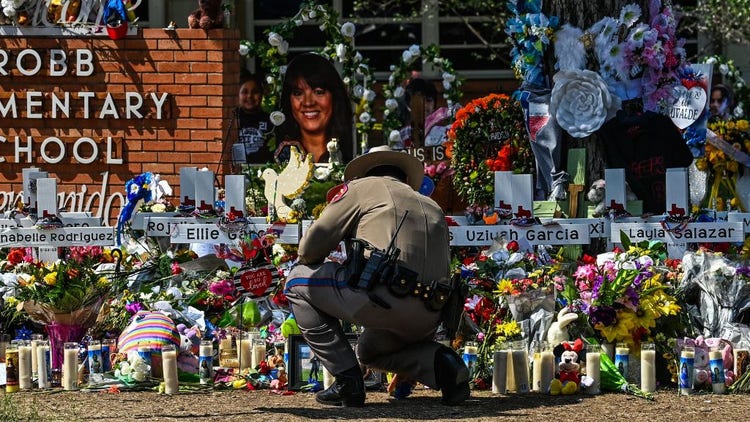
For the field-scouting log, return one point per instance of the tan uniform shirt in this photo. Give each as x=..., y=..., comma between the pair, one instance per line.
x=371, y=209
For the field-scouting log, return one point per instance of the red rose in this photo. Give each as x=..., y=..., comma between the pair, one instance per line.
x=588, y=259
x=15, y=256
x=513, y=246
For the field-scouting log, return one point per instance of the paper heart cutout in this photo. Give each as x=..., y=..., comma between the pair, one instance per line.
x=257, y=281
x=688, y=105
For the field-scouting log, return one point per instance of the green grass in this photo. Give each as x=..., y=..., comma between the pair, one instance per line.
x=13, y=410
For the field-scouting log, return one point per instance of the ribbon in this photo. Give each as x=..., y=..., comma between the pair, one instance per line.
x=727, y=148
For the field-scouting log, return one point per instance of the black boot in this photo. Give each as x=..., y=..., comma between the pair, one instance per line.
x=452, y=376
x=347, y=391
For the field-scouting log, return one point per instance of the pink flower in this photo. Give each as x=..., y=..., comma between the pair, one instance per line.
x=221, y=288
x=430, y=170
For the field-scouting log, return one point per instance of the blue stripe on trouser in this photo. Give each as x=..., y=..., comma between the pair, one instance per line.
x=314, y=282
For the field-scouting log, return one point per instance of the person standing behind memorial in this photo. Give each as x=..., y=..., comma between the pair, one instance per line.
x=316, y=107
x=253, y=124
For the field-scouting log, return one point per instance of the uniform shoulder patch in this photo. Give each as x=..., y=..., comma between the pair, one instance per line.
x=336, y=193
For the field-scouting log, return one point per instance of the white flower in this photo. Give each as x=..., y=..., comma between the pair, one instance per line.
x=414, y=50
x=175, y=292
x=275, y=39
x=392, y=68
x=347, y=80
x=322, y=27
x=348, y=29
x=340, y=51
x=723, y=69
x=282, y=70
x=298, y=22
x=283, y=47
x=369, y=95
x=581, y=102
x=358, y=91
x=711, y=60
x=364, y=117
x=398, y=92
x=630, y=14
x=391, y=104
x=277, y=118
x=158, y=208
x=357, y=57
x=313, y=14
x=446, y=85
x=407, y=57
x=269, y=79
x=305, y=17
x=362, y=68
x=321, y=173
x=449, y=77
x=394, y=137
x=244, y=49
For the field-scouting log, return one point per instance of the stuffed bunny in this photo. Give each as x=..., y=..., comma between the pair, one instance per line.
x=558, y=330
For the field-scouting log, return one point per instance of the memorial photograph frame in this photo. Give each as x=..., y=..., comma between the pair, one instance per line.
x=302, y=364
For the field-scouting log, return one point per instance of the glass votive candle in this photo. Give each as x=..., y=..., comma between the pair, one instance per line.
x=648, y=367
x=594, y=367
x=686, y=370
x=622, y=359
x=520, y=357
x=169, y=368
x=70, y=366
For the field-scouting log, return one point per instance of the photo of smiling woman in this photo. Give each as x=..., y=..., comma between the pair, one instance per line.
x=317, y=108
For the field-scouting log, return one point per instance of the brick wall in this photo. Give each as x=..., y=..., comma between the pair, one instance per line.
x=198, y=70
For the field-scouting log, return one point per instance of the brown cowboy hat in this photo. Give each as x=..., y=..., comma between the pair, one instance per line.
x=384, y=156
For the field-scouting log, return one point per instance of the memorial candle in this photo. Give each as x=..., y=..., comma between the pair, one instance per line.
x=24, y=365
x=35, y=339
x=206, y=361
x=11, y=368
x=548, y=369
x=259, y=351
x=169, y=368
x=593, y=367
x=70, y=366
x=521, y=366
x=622, y=359
x=499, y=371
x=648, y=367
x=687, y=369
x=716, y=363
x=42, y=361
x=244, y=350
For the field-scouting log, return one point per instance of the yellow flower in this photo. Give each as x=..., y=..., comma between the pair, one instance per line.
x=742, y=125
x=102, y=282
x=11, y=301
x=51, y=278
x=505, y=287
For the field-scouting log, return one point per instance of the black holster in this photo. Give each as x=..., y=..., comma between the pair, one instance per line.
x=453, y=308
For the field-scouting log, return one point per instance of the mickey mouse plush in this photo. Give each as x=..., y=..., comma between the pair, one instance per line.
x=568, y=369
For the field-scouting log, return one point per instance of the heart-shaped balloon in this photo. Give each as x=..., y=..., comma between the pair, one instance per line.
x=256, y=282
x=688, y=105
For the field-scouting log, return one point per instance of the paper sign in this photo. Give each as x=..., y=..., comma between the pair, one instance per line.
x=687, y=106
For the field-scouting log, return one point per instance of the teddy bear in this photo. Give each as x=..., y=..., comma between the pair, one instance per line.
x=569, y=369
x=208, y=15
x=596, y=195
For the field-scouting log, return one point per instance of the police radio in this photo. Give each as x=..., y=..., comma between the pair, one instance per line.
x=378, y=267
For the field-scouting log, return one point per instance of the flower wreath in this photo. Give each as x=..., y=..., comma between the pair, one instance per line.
x=400, y=72
x=488, y=135
x=339, y=47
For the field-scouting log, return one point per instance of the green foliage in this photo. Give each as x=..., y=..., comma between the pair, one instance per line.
x=722, y=21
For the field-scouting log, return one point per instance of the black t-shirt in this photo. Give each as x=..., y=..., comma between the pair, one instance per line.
x=645, y=145
x=254, y=129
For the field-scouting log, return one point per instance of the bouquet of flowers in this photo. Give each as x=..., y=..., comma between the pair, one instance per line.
x=622, y=294
x=723, y=168
x=73, y=286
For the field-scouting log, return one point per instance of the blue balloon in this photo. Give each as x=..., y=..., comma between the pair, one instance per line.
x=428, y=186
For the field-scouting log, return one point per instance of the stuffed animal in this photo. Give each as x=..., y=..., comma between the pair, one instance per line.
x=208, y=15
x=334, y=153
x=558, y=330
x=568, y=369
x=596, y=195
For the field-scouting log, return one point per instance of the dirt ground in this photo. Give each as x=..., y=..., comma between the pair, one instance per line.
x=424, y=404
